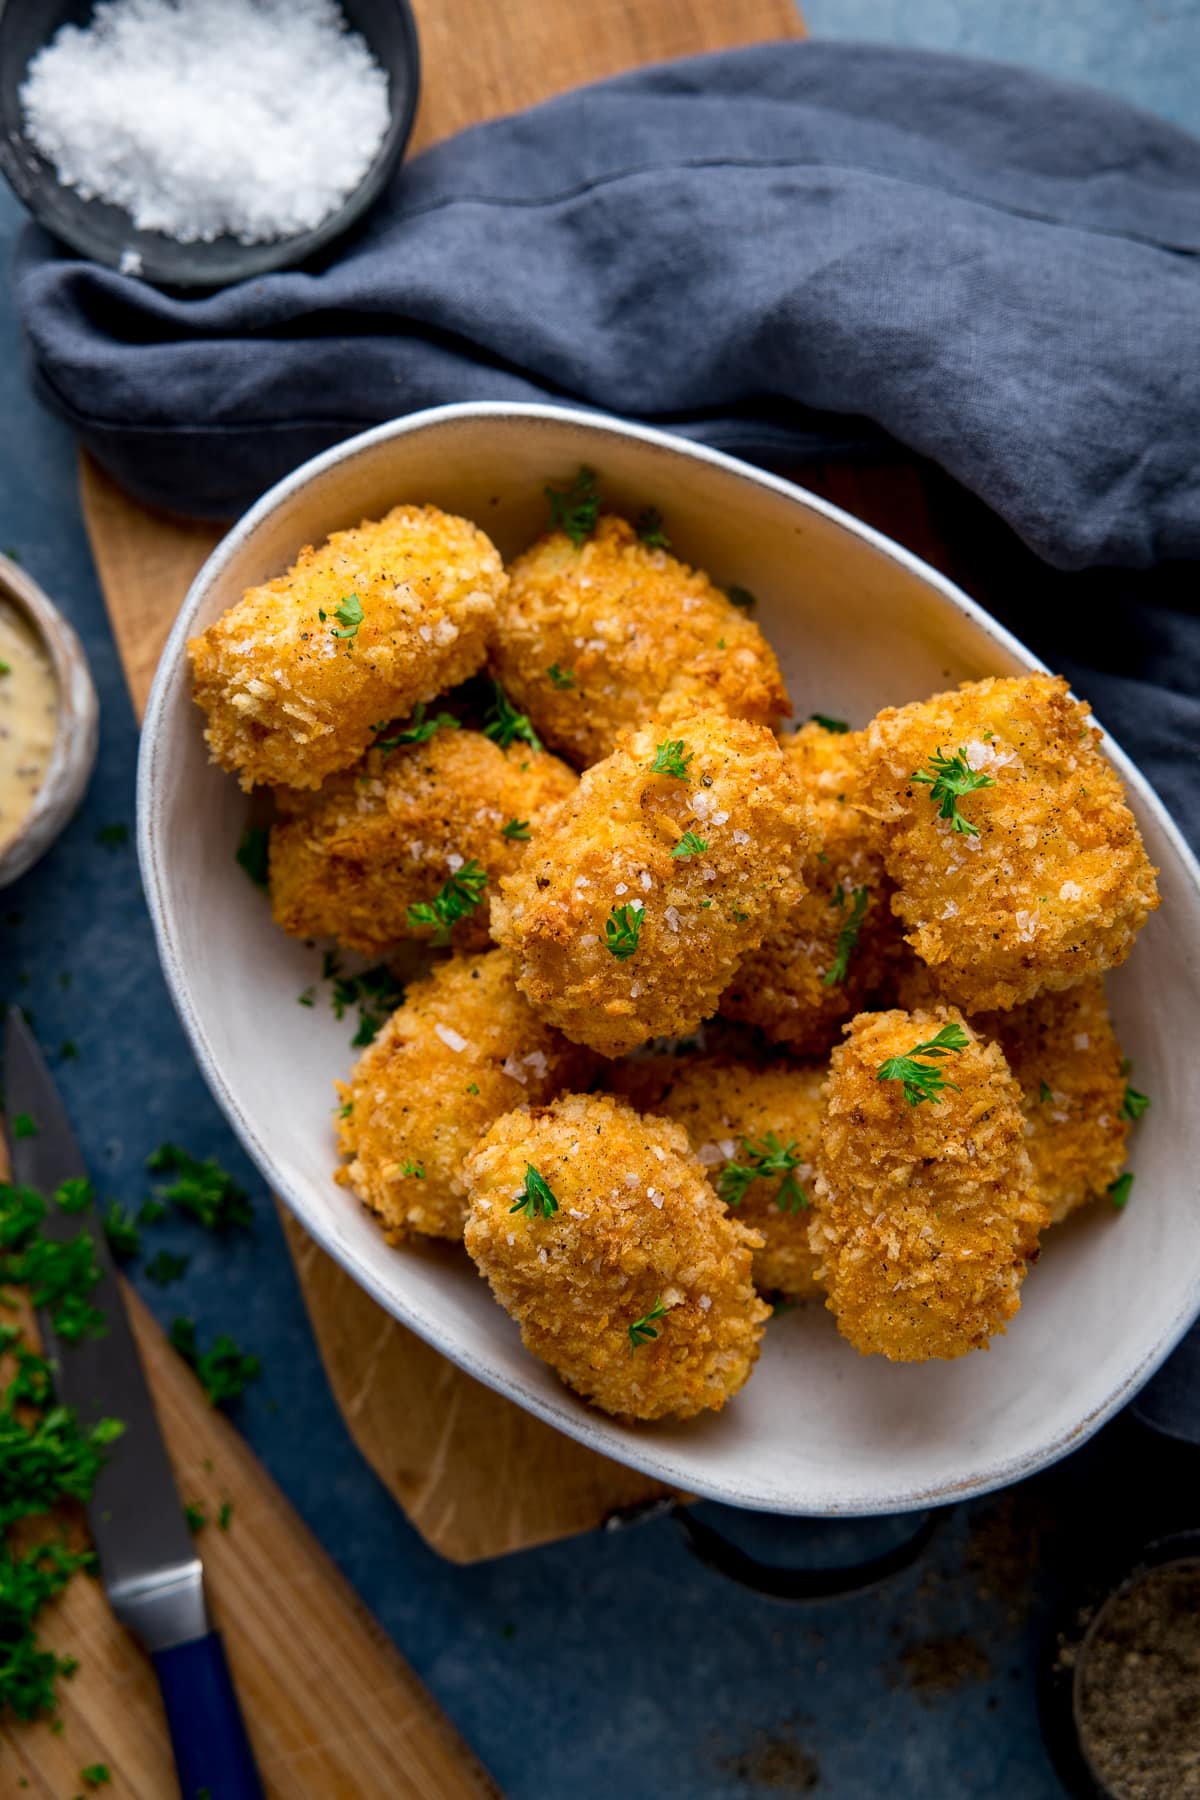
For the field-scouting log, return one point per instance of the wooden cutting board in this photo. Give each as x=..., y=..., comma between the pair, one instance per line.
x=475, y=1474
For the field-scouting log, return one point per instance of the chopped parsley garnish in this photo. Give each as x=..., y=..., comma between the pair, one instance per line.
x=350, y=616
x=152, y=1212
x=1134, y=1104
x=113, y=837
x=225, y=1515
x=68, y=1050
x=516, y=831
x=345, y=1110
x=828, y=724
x=536, y=1197
x=5, y=668
x=472, y=1087
x=923, y=1080
x=741, y=597
x=505, y=725
x=29, y=1580
x=224, y=1372
x=415, y=1169
x=195, y=1516
x=307, y=998
x=460, y=895
x=643, y=1329
x=763, y=1161
x=649, y=527
x=60, y=1273
x=73, y=1194
x=201, y=1188
x=669, y=759
x=561, y=678
x=375, y=991
x=253, y=854
x=621, y=931
x=1119, y=1190
x=690, y=845
x=575, y=509
x=847, y=936
x=165, y=1267
x=419, y=730
x=948, y=777
x=121, y=1230
x=1045, y=1092
x=95, y=1775
x=24, y=1126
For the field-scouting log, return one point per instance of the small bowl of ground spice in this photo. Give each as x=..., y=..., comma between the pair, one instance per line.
x=48, y=722
x=194, y=143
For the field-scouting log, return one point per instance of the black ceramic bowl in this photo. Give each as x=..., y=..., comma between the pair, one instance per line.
x=104, y=232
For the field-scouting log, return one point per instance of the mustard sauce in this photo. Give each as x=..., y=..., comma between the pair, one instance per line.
x=28, y=719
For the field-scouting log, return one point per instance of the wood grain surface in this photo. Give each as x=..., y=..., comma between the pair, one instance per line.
x=476, y=1475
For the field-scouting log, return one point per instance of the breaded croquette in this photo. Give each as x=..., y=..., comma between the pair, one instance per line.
x=298, y=676
x=925, y=1210
x=462, y=1049
x=644, y=890
x=352, y=860
x=1017, y=862
x=1064, y=1053
x=595, y=639
x=755, y=1130
x=830, y=952
x=600, y=1235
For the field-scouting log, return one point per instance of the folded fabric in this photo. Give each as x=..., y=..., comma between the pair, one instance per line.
x=794, y=247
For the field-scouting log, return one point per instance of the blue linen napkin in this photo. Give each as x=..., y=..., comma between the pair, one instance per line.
x=791, y=247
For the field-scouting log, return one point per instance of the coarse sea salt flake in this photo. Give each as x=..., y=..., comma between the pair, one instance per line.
x=180, y=114
x=452, y=1039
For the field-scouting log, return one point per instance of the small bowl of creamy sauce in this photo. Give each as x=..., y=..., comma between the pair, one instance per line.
x=48, y=720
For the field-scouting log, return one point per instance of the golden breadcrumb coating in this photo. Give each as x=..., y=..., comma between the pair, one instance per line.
x=638, y=1231
x=784, y=987
x=925, y=1216
x=348, y=861
x=730, y=1110
x=1064, y=1053
x=635, y=633
x=289, y=701
x=462, y=1049
x=1056, y=884
x=602, y=869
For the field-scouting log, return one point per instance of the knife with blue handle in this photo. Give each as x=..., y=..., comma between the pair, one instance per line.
x=148, y=1562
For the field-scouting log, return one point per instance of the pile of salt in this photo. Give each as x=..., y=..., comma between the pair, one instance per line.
x=255, y=118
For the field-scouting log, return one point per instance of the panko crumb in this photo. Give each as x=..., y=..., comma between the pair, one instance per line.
x=729, y=1110
x=602, y=873
x=796, y=988
x=462, y=1049
x=348, y=861
x=1056, y=883
x=632, y=634
x=638, y=1238
x=926, y=1216
x=289, y=700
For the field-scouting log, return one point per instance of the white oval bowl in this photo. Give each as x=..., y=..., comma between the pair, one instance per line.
x=858, y=623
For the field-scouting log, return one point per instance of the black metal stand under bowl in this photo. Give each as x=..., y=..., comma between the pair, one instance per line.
x=107, y=233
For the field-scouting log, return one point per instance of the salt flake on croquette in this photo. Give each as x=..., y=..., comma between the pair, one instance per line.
x=635, y=1284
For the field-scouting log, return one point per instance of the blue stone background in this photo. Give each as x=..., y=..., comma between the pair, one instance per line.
x=613, y=1664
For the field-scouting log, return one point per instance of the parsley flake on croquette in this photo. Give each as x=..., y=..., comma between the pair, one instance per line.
x=536, y=1197
x=458, y=897
x=924, y=1080
x=947, y=778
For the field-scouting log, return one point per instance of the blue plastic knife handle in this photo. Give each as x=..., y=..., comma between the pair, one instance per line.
x=212, y=1752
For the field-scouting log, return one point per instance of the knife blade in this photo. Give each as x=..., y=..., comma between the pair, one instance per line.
x=148, y=1562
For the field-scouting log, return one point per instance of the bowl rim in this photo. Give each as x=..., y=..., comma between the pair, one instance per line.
x=25, y=168
x=76, y=726
x=656, y=1462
